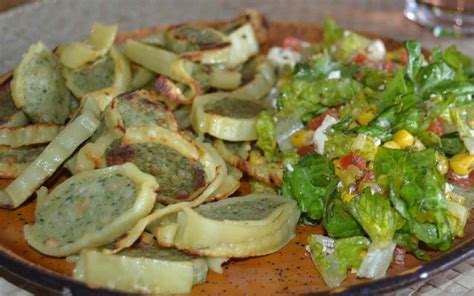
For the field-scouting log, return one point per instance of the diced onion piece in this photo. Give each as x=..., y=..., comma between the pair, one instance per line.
x=75, y=194
x=156, y=271
x=74, y=134
x=244, y=45
x=224, y=117
x=320, y=137
x=284, y=129
x=264, y=224
x=281, y=57
x=29, y=135
x=376, y=50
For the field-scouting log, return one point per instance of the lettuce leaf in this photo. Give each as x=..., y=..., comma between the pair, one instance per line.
x=333, y=258
x=416, y=190
x=337, y=221
x=376, y=216
x=266, y=135
x=310, y=182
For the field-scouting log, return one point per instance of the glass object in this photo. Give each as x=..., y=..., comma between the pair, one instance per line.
x=444, y=17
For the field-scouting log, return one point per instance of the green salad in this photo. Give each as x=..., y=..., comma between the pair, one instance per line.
x=377, y=145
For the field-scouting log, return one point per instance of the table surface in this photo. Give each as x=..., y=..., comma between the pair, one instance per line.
x=383, y=17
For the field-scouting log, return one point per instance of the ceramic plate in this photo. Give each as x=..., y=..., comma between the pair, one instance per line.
x=289, y=271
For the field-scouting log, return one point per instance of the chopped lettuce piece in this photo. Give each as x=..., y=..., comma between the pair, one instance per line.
x=376, y=262
x=416, y=189
x=463, y=117
x=410, y=242
x=309, y=183
x=415, y=58
x=340, y=144
x=331, y=32
x=349, y=45
x=337, y=221
x=376, y=216
x=333, y=258
x=457, y=217
x=266, y=135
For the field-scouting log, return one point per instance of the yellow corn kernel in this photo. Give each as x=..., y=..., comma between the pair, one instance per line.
x=442, y=163
x=462, y=163
x=366, y=116
x=391, y=145
x=256, y=158
x=301, y=138
x=404, y=138
x=347, y=197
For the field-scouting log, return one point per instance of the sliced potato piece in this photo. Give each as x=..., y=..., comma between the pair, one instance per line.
x=195, y=43
x=150, y=57
x=91, y=209
x=244, y=45
x=90, y=77
x=10, y=116
x=14, y=161
x=38, y=87
x=143, y=270
x=176, y=161
x=216, y=171
x=169, y=66
x=78, y=54
x=137, y=108
x=121, y=83
x=252, y=225
x=74, y=134
x=29, y=134
x=261, y=83
x=225, y=117
x=141, y=77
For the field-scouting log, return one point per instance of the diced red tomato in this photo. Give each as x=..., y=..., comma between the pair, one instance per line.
x=437, y=126
x=360, y=58
x=354, y=159
x=462, y=181
x=316, y=122
x=404, y=57
x=302, y=151
x=368, y=176
x=388, y=66
x=293, y=43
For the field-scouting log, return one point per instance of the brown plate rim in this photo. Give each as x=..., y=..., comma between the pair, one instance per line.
x=57, y=284
x=46, y=281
